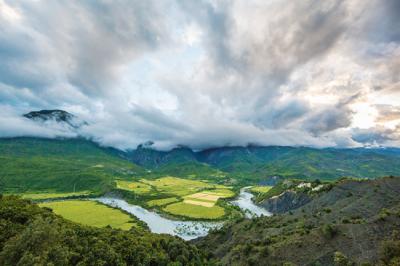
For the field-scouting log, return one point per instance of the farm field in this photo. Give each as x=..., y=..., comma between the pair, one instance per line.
x=91, y=213
x=195, y=211
x=207, y=198
x=180, y=197
x=137, y=187
x=44, y=195
x=162, y=202
x=177, y=186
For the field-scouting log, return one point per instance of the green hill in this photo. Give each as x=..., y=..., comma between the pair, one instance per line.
x=257, y=164
x=355, y=223
x=30, y=235
x=59, y=165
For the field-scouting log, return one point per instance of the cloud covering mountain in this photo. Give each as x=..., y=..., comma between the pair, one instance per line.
x=205, y=73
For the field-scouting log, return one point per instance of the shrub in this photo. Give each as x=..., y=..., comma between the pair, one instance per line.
x=329, y=231
x=340, y=259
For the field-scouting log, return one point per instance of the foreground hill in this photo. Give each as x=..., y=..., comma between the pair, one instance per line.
x=59, y=165
x=30, y=235
x=354, y=222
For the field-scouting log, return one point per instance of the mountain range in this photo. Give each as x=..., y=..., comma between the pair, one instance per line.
x=263, y=164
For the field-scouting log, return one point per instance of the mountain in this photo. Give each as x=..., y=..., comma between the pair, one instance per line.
x=57, y=116
x=354, y=223
x=60, y=165
x=244, y=165
x=148, y=157
x=260, y=164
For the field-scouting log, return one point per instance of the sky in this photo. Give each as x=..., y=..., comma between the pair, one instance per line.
x=204, y=73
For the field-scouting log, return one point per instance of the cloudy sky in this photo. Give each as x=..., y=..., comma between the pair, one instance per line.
x=204, y=73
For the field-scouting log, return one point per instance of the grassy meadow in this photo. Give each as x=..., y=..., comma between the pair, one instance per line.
x=49, y=195
x=91, y=213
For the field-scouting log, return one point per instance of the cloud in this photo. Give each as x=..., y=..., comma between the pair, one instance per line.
x=204, y=73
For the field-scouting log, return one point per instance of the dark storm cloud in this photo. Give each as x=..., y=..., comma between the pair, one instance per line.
x=84, y=42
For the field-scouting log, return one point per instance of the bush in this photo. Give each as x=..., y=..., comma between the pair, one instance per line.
x=340, y=259
x=329, y=231
x=390, y=252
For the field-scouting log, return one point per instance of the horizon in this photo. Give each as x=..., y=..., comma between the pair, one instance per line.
x=204, y=73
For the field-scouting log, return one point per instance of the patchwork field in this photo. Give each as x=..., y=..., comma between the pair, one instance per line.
x=207, y=198
x=180, y=197
x=91, y=213
x=177, y=186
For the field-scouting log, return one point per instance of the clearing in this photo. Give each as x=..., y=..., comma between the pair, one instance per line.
x=91, y=213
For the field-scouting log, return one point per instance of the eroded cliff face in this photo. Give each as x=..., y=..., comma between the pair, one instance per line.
x=288, y=200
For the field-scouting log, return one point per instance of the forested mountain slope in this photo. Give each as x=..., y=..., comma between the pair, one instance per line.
x=260, y=163
x=30, y=235
x=62, y=165
x=354, y=222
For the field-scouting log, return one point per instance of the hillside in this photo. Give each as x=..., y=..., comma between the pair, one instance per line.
x=355, y=222
x=259, y=164
x=30, y=235
x=59, y=165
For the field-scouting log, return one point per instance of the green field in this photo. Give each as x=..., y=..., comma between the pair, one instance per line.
x=260, y=189
x=181, y=197
x=41, y=196
x=91, y=213
x=137, y=187
x=195, y=211
x=162, y=202
x=177, y=186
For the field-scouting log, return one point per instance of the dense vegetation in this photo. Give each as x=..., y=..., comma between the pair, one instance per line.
x=355, y=223
x=75, y=165
x=59, y=165
x=30, y=235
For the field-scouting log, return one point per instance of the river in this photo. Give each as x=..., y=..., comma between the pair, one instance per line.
x=244, y=202
x=185, y=229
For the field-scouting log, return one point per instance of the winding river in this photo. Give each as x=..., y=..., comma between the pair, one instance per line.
x=185, y=229
x=244, y=202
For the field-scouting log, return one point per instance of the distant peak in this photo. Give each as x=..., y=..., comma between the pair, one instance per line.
x=59, y=116
x=146, y=145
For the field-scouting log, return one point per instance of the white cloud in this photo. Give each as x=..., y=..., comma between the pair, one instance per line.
x=205, y=73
